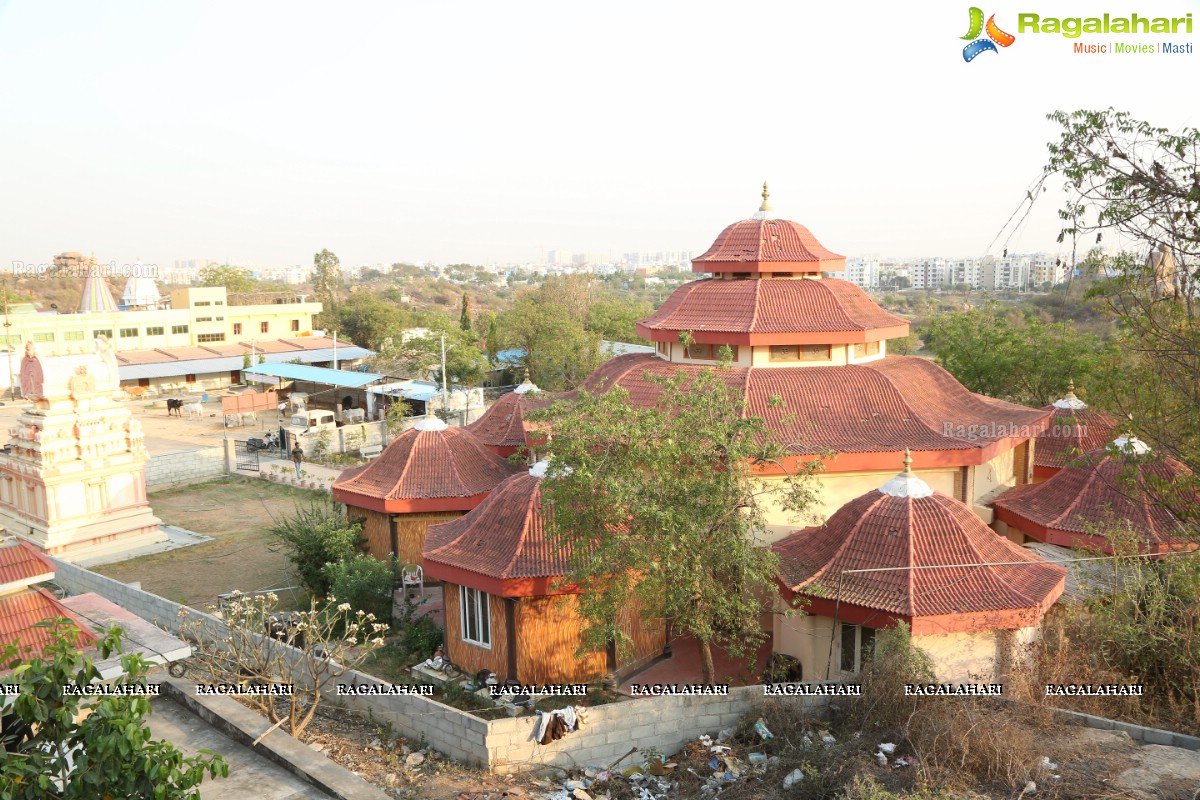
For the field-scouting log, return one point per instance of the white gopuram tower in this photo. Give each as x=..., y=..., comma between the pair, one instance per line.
x=73, y=482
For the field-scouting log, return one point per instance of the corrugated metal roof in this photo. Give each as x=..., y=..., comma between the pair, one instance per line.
x=304, y=372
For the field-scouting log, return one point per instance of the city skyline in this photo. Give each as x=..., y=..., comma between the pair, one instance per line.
x=395, y=132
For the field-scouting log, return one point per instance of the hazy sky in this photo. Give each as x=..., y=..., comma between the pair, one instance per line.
x=474, y=131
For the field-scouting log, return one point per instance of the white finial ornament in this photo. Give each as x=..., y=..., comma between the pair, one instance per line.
x=1070, y=401
x=430, y=423
x=906, y=484
x=764, y=210
x=527, y=385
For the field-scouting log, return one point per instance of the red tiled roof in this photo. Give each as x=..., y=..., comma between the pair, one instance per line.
x=422, y=471
x=501, y=428
x=500, y=546
x=880, y=407
x=1071, y=434
x=749, y=244
x=756, y=308
x=21, y=563
x=20, y=613
x=1076, y=505
x=879, y=530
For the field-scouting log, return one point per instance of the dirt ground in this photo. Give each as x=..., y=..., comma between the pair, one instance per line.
x=238, y=514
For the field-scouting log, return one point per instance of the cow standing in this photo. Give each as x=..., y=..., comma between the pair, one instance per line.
x=175, y=407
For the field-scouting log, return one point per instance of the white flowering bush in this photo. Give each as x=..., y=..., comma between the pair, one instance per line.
x=259, y=646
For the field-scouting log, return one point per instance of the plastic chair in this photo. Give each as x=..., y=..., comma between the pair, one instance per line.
x=413, y=576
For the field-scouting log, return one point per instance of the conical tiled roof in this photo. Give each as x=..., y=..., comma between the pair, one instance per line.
x=930, y=538
x=501, y=546
x=1073, y=431
x=768, y=246
x=1100, y=490
x=501, y=429
x=426, y=468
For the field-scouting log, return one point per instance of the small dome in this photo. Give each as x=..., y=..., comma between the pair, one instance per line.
x=501, y=429
x=430, y=423
x=436, y=468
x=501, y=546
x=763, y=244
x=907, y=556
x=1073, y=431
x=1103, y=488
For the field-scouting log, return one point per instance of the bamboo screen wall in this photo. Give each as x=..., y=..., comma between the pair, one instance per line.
x=472, y=657
x=410, y=532
x=547, y=637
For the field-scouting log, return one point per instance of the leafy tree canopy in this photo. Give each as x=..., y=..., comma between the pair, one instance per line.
x=108, y=753
x=234, y=279
x=661, y=503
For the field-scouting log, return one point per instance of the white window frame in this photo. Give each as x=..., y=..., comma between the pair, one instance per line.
x=856, y=645
x=475, y=616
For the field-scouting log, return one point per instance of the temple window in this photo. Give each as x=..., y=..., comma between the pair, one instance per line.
x=73, y=336
x=106, y=331
x=210, y=337
x=237, y=329
x=857, y=645
x=129, y=333
x=709, y=352
x=179, y=329
x=804, y=352
x=156, y=330
x=475, y=609
x=664, y=348
x=264, y=327
x=296, y=325
x=865, y=349
x=44, y=337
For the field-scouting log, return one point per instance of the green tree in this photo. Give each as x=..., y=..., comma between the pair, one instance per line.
x=365, y=583
x=422, y=355
x=108, y=753
x=367, y=320
x=491, y=338
x=1006, y=356
x=315, y=535
x=327, y=281
x=662, y=503
x=549, y=324
x=234, y=279
x=1126, y=175
x=464, y=317
x=614, y=319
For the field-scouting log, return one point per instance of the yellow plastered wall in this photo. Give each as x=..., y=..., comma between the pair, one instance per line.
x=838, y=488
x=995, y=477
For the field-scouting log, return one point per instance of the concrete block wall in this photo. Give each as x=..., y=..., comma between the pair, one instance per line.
x=502, y=745
x=186, y=466
x=445, y=729
x=665, y=723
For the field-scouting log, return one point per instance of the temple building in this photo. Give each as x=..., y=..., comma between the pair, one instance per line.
x=505, y=609
x=905, y=553
x=1118, y=487
x=809, y=355
x=430, y=473
x=1073, y=431
x=72, y=480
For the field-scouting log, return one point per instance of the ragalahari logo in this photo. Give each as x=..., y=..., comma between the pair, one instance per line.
x=995, y=36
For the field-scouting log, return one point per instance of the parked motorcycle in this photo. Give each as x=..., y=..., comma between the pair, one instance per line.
x=267, y=442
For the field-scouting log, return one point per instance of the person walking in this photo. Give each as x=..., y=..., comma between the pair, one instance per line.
x=298, y=457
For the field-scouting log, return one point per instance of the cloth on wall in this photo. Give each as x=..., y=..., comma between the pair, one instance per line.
x=553, y=725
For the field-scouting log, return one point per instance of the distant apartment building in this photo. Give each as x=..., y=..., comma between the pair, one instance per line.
x=863, y=272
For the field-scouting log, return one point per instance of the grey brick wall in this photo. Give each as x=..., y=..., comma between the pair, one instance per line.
x=186, y=466
x=503, y=745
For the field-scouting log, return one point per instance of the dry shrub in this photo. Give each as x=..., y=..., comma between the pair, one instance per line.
x=962, y=743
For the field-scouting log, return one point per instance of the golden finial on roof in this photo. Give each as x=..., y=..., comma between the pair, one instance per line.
x=1071, y=388
x=92, y=260
x=766, y=203
x=907, y=461
x=526, y=374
